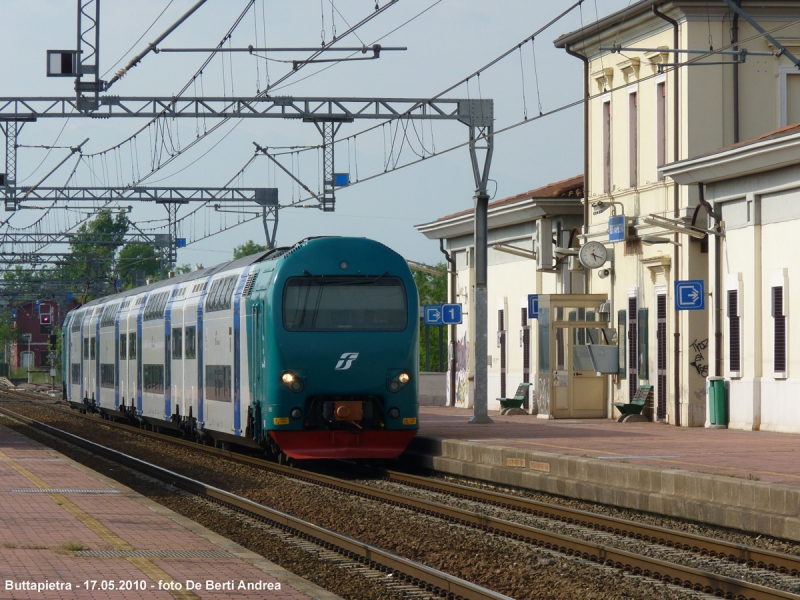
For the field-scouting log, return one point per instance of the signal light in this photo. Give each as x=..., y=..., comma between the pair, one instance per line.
x=45, y=319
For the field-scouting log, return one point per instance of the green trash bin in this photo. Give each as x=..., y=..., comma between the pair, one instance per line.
x=717, y=403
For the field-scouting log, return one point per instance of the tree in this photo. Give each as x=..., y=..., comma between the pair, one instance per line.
x=248, y=248
x=137, y=257
x=94, y=249
x=432, y=290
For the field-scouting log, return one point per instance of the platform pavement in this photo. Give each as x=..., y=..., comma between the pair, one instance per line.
x=741, y=479
x=86, y=526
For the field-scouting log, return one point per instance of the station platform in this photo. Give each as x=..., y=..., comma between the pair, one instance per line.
x=741, y=479
x=63, y=525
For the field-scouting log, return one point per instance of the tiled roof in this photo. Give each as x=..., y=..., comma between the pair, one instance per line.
x=770, y=135
x=566, y=188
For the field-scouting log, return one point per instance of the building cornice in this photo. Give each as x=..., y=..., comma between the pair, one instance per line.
x=756, y=157
x=502, y=216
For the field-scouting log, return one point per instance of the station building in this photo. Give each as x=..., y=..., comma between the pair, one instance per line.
x=36, y=322
x=514, y=270
x=643, y=112
x=754, y=189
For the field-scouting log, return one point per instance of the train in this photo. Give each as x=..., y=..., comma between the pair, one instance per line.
x=309, y=352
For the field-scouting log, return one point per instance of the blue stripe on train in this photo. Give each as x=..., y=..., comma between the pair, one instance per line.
x=237, y=354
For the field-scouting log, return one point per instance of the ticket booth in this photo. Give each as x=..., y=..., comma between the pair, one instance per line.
x=577, y=351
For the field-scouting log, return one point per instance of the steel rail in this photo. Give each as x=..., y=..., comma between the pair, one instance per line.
x=417, y=574
x=648, y=567
x=749, y=555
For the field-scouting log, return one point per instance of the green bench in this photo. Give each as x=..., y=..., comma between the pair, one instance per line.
x=507, y=404
x=635, y=407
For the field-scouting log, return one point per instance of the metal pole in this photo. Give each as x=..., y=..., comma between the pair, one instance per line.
x=441, y=347
x=427, y=348
x=483, y=131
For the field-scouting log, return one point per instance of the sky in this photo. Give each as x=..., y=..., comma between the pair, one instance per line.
x=446, y=41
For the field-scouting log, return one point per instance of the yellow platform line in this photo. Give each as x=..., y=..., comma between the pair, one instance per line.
x=147, y=566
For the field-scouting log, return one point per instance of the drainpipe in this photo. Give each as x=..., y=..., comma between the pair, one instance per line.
x=701, y=189
x=676, y=214
x=735, y=42
x=585, y=152
x=451, y=268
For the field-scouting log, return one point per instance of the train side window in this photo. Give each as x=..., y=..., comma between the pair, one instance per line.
x=86, y=349
x=123, y=346
x=91, y=349
x=132, y=346
x=191, y=342
x=177, y=343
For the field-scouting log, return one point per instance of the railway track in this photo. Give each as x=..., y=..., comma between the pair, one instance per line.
x=421, y=577
x=603, y=554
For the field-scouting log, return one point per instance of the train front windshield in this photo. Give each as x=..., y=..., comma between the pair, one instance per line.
x=320, y=303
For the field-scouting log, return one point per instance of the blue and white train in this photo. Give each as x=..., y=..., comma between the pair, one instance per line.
x=309, y=351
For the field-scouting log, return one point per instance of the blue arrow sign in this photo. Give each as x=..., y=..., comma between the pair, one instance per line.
x=616, y=229
x=432, y=314
x=451, y=314
x=690, y=294
x=533, y=306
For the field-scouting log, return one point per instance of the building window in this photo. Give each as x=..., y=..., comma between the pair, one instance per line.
x=790, y=96
x=44, y=358
x=734, y=329
x=191, y=342
x=607, y=147
x=779, y=329
x=177, y=343
x=661, y=357
x=525, y=342
x=661, y=125
x=123, y=346
x=633, y=139
x=633, y=357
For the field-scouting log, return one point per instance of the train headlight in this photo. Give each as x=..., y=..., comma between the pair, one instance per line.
x=396, y=382
x=296, y=413
x=292, y=381
x=394, y=413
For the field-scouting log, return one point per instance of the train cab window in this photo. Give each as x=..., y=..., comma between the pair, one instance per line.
x=92, y=349
x=132, y=346
x=191, y=342
x=177, y=343
x=345, y=304
x=123, y=346
x=85, y=348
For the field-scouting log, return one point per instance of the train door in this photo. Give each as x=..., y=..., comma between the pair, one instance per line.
x=257, y=363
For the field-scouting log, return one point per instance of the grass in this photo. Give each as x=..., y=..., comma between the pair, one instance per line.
x=72, y=546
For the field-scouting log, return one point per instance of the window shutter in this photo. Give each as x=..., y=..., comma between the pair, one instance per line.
x=734, y=344
x=643, y=353
x=779, y=338
x=632, y=339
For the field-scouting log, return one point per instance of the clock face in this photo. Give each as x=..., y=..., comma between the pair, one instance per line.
x=593, y=255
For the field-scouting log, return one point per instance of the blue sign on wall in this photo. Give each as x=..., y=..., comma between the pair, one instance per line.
x=432, y=314
x=690, y=294
x=616, y=229
x=451, y=314
x=533, y=306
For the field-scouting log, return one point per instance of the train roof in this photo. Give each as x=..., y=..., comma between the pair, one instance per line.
x=192, y=275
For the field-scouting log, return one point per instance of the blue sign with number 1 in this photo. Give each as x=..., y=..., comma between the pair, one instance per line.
x=451, y=314
x=533, y=306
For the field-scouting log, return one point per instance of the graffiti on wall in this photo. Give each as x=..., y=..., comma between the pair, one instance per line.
x=462, y=369
x=699, y=362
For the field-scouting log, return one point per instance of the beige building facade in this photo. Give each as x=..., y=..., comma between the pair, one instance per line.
x=754, y=189
x=516, y=225
x=642, y=113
